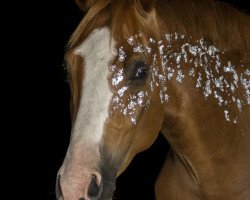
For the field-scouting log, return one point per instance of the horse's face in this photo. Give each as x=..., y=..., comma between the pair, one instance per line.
x=117, y=111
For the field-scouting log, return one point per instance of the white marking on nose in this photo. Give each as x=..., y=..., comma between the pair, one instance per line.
x=83, y=156
x=98, y=51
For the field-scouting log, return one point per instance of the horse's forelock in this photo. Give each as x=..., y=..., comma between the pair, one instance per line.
x=136, y=19
x=122, y=24
x=87, y=23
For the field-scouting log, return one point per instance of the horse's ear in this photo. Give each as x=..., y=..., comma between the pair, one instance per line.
x=84, y=5
x=147, y=5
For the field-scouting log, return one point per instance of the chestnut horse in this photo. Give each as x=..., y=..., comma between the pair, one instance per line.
x=140, y=67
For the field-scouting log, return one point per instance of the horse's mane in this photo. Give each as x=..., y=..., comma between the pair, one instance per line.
x=219, y=22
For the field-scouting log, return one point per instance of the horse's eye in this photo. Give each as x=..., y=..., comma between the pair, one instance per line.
x=137, y=73
x=140, y=71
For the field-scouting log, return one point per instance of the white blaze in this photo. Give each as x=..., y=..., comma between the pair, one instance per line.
x=83, y=156
x=98, y=51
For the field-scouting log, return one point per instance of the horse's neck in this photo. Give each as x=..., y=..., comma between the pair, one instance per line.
x=207, y=115
x=209, y=100
x=198, y=131
x=206, y=148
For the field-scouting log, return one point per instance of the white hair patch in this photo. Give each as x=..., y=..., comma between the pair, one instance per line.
x=98, y=50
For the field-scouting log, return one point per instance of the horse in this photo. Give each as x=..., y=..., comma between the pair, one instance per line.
x=180, y=68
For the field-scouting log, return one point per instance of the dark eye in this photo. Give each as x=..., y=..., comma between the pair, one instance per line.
x=140, y=71
x=137, y=73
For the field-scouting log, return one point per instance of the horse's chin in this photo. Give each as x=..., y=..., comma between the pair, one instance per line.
x=108, y=189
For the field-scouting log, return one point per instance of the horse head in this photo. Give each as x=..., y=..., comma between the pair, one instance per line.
x=116, y=109
x=140, y=67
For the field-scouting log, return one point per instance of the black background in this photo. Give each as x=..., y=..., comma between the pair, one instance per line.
x=39, y=33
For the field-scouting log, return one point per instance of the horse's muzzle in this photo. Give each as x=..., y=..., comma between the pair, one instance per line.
x=104, y=191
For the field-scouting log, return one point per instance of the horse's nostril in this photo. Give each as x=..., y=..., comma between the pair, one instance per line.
x=94, y=189
x=82, y=198
x=58, y=187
